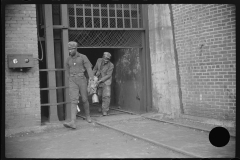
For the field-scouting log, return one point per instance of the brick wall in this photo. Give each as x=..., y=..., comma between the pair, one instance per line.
x=22, y=99
x=206, y=47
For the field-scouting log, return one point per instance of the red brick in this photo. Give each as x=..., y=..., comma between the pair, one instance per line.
x=221, y=49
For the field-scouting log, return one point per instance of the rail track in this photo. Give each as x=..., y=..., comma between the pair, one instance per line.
x=174, y=149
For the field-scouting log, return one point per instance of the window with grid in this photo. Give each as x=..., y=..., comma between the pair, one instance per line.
x=103, y=16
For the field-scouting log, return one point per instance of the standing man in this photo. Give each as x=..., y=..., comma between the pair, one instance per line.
x=103, y=70
x=75, y=65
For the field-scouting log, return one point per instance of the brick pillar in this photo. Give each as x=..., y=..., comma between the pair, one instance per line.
x=22, y=107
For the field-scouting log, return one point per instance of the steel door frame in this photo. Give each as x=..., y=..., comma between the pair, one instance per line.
x=145, y=59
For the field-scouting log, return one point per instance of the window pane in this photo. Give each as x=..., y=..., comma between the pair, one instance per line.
x=134, y=14
x=88, y=22
x=88, y=12
x=79, y=11
x=87, y=5
x=126, y=13
x=95, y=12
x=103, y=5
x=127, y=23
x=126, y=6
x=71, y=11
x=119, y=23
x=111, y=6
x=104, y=22
x=112, y=13
x=134, y=23
x=96, y=22
x=80, y=22
x=71, y=21
x=104, y=13
x=112, y=23
x=119, y=13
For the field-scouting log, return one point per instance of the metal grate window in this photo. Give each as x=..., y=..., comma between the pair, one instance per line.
x=106, y=38
x=102, y=16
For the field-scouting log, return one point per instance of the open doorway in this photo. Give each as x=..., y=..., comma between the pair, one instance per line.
x=126, y=88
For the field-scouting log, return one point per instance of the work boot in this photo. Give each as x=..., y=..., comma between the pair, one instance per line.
x=72, y=124
x=89, y=120
x=104, y=113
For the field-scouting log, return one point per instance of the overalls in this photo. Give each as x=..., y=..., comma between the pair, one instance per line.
x=77, y=82
x=104, y=71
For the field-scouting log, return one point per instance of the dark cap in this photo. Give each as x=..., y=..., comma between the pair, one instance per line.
x=72, y=44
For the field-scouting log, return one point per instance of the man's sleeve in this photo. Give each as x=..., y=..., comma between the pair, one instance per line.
x=95, y=68
x=87, y=64
x=109, y=73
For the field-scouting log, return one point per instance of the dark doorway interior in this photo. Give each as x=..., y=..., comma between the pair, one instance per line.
x=126, y=84
x=93, y=54
x=126, y=88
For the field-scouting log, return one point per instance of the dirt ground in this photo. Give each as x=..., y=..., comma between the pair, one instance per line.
x=88, y=141
x=91, y=140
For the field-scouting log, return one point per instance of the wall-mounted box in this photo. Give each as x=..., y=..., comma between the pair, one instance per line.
x=20, y=60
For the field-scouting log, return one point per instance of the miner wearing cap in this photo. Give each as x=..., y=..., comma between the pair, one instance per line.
x=103, y=70
x=76, y=64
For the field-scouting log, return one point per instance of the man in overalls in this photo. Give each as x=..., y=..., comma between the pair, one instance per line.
x=103, y=70
x=75, y=65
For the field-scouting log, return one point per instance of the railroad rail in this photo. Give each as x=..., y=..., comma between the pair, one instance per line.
x=165, y=121
x=174, y=149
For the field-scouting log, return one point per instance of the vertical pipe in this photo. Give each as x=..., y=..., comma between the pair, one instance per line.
x=84, y=16
x=115, y=16
x=75, y=16
x=123, y=16
x=138, y=17
x=100, y=14
x=92, y=15
x=50, y=60
x=64, y=16
x=130, y=15
x=108, y=16
x=146, y=56
x=148, y=60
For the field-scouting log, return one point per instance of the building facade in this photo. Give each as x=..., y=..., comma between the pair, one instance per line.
x=177, y=59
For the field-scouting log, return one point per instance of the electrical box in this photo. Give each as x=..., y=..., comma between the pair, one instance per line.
x=20, y=61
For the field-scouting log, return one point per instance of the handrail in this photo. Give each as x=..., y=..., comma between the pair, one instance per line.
x=52, y=88
x=54, y=104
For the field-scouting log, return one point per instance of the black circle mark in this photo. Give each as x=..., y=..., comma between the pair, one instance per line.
x=219, y=136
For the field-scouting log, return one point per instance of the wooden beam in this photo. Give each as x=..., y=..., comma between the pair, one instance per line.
x=50, y=60
x=64, y=16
